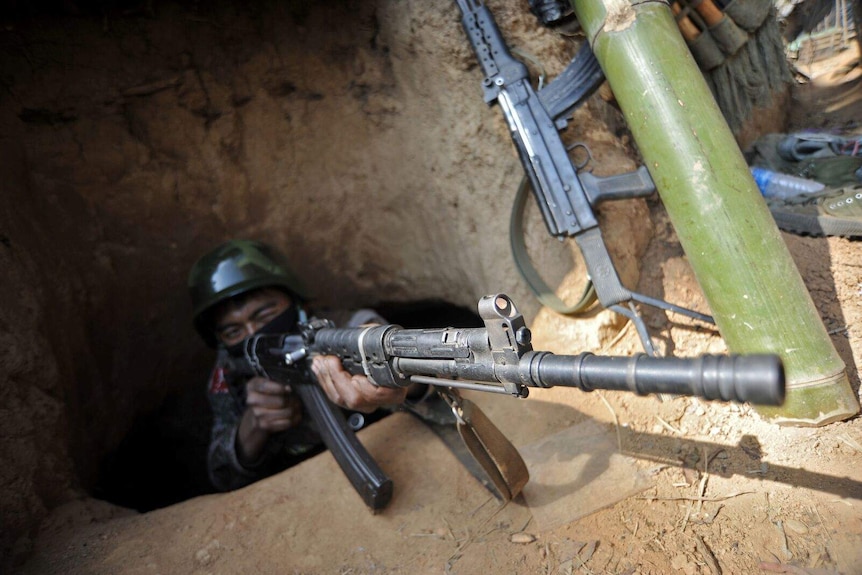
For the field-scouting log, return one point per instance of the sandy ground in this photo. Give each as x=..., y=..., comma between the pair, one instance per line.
x=722, y=491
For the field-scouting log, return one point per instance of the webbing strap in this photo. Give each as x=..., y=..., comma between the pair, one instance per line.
x=492, y=450
x=525, y=267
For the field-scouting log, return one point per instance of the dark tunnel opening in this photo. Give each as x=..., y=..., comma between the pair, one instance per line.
x=162, y=460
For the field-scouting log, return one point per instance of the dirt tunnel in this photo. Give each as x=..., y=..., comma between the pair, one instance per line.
x=135, y=136
x=161, y=460
x=353, y=134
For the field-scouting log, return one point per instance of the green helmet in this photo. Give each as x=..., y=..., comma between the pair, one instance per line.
x=233, y=268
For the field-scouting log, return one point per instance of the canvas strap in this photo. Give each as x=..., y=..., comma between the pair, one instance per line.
x=493, y=451
x=534, y=281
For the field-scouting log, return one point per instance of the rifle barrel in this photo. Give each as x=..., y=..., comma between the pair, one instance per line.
x=397, y=355
x=758, y=379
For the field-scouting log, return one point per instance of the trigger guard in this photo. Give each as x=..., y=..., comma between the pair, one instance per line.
x=575, y=145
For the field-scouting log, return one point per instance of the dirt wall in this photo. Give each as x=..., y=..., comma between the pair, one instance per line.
x=352, y=134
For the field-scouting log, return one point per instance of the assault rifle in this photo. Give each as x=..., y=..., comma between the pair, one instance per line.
x=497, y=358
x=565, y=197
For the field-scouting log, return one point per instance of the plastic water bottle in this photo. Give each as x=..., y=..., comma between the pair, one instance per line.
x=783, y=186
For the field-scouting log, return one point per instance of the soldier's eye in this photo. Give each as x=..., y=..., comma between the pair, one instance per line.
x=230, y=333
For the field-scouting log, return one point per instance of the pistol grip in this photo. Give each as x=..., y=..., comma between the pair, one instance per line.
x=637, y=184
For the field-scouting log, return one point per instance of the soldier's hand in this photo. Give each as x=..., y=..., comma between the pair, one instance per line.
x=273, y=406
x=354, y=392
x=270, y=407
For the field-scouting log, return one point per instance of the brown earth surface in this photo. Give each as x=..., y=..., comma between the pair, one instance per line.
x=726, y=492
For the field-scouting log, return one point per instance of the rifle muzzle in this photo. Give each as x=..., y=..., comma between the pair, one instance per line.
x=757, y=379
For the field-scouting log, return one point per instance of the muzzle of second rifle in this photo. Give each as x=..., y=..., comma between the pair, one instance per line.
x=757, y=379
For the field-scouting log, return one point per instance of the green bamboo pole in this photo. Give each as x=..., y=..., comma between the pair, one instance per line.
x=741, y=262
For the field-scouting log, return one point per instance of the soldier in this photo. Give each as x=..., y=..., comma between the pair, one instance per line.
x=239, y=289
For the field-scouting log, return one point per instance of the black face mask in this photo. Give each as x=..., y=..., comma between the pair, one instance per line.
x=285, y=322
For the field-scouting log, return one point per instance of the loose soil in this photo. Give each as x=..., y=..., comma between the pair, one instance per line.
x=728, y=492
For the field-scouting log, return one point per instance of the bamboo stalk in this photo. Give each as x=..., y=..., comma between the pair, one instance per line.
x=741, y=262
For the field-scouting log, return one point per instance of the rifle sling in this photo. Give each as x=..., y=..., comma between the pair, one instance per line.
x=491, y=449
x=525, y=267
x=437, y=413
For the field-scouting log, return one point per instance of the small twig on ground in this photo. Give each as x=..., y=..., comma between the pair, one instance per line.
x=616, y=422
x=684, y=498
x=711, y=518
x=668, y=426
x=703, y=481
x=657, y=541
x=701, y=490
x=823, y=524
x=784, y=548
x=851, y=442
x=687, y=515
x=620, y=334
x=472, y=535
x=483, y=504
x=449, y=527
x=707, y=555
x=588, y=550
